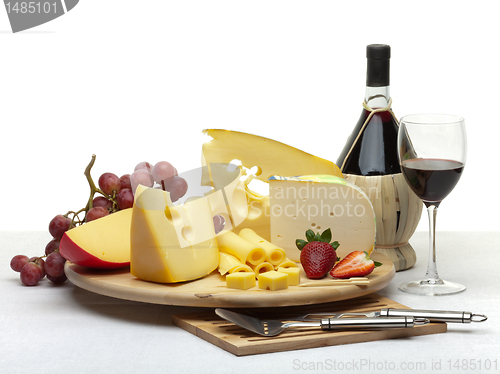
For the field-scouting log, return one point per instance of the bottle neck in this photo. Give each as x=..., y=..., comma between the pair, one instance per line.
x=377, y=97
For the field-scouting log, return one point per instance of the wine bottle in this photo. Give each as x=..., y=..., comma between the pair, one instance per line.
x=370, y=161
x=371, y=149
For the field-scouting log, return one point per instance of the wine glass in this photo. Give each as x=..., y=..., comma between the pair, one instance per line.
x=432, y=150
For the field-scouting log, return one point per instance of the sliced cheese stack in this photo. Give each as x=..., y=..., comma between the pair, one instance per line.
x=248, y=252
x=171, y=243
x=319, y=202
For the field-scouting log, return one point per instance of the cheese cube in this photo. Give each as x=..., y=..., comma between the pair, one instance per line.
x=319, y=202
x=293, y=275
x=273, y=280
x=240, y=281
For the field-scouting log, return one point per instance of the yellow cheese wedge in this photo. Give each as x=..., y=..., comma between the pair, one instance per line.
x=319, y=202
x=245, y=251
x=171, y=243
x=293, y=275
x=262, y=268
x=100, y=244
x=268, y=157
x=240, y=281
x=274, y=254
x=273, y=280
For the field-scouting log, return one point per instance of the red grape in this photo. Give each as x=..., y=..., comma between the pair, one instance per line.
x=219, y=223
x=57, y=280
x=109, y=183
x=102, y=202
x=54, y=264
x=40, y=262
x=125, y=182
x=144, y=165
x=141, y=176
x=177, y=187
x=52, y=246
x=17, y=263
x=31, y=274
x=125, y=199
x=95, y=213
x=59, y=225
x=163, y=170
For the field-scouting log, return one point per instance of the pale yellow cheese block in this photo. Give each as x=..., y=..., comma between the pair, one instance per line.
x=270, y=157
x=171, y=243
x=319, y=202
x=274, y=254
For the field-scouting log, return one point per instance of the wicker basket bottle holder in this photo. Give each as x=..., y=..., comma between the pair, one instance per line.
x=397, y=209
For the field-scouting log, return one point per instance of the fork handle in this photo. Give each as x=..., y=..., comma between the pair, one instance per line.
x=435, y=315
x=370, y=322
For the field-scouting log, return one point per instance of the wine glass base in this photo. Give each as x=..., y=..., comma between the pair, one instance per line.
x=431, y=287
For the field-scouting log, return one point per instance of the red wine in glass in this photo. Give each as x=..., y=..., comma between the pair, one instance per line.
x=432, y=179
x=432, y=150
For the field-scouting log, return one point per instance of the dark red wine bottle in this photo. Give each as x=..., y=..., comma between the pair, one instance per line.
x=371, y=149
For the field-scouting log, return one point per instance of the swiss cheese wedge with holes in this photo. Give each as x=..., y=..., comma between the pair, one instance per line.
x=171, y=243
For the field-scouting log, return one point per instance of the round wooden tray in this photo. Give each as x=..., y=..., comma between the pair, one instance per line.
x=211, y=291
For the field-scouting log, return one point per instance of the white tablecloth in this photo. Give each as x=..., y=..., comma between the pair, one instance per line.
x=65, y=329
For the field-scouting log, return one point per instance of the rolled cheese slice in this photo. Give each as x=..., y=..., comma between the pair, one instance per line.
x=241, y=269
x=287, y=264
x=242, y=249
x=274, y=254
x=262, y=268
x=230, y=264
x=319, y=202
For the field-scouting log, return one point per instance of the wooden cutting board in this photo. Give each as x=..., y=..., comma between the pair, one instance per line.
x=240, y=342
x=211, y=291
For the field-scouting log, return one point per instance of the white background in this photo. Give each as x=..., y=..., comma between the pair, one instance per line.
x=138, y=80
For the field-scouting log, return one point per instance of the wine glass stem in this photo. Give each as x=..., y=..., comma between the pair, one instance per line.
x=432, y=275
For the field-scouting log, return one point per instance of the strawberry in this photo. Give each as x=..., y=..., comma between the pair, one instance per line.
x=355, y=264
x=317, y=254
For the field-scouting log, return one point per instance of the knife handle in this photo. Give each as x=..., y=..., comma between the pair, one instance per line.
x=371, y=322
x=435, y=315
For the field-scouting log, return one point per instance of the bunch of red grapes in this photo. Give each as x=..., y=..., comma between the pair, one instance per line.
x=115, y=193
